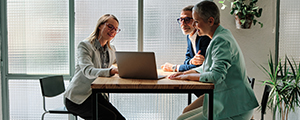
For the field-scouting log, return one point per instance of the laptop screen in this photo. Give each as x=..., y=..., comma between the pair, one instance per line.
x=140, y=65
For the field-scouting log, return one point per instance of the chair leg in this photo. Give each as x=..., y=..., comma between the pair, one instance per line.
x=75, y=116
x=43, y=115
x=47, y=112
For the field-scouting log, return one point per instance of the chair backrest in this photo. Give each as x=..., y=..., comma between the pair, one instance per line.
x=264, y=100
x=52, y=85
x=251, y=81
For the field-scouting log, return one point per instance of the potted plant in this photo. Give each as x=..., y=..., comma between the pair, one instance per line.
x=284, y=79
x=245, y=11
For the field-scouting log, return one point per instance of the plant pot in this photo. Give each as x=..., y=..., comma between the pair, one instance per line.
x=246, y=25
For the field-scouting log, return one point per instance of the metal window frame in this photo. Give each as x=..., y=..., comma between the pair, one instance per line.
x=4, y=80
x=4, y=53
x=5, y=76
x=140, y=29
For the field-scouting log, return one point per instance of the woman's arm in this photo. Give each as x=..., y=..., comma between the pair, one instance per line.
x=180, y=73
x=86, y=61
x=188, y=75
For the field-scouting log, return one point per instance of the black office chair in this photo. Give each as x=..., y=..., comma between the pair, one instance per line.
x=264, y=100
x=251, y=81
x=52, y=86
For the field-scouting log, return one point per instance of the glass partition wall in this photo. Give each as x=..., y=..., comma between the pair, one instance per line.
x=289, y=28
x=37, y=45
x=40, y=42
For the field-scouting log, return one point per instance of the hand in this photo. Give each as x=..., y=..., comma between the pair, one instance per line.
x=189, y=75
x=167, y=67
x=181, y=73
x=175, y=76
x=114, y=71
x=181, y=77
x=197, y=59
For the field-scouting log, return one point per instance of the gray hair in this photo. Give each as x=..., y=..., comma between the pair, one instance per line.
x=207, y=9
x=188, y=8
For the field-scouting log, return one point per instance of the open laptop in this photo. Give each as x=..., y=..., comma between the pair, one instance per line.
x=137, y=65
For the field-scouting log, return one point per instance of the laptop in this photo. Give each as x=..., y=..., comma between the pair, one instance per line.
x=137, y=65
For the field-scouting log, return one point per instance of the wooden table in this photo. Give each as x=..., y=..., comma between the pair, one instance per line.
x=115, y=84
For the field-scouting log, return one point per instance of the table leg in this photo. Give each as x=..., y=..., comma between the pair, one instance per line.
x=210, y=104
x=189, y=98
x=94, y=105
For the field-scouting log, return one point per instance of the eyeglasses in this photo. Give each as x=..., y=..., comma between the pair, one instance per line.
x=186, y=20
x=112, y=27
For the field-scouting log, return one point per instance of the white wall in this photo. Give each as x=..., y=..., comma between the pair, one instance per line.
x=256, y=43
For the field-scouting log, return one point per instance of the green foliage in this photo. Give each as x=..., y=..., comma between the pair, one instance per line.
x=284, y=79
x=245, y=11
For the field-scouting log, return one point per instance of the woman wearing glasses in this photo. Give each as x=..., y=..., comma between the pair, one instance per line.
x=224, y=66
x=95, y=57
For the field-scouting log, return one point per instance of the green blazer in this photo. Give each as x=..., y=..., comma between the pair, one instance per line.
x=224, y=66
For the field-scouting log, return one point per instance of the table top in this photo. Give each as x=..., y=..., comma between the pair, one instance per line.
x=115, y=82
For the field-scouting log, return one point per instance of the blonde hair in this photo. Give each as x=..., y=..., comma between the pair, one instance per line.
x=102, y=20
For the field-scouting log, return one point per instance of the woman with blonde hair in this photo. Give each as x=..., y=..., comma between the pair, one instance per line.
x=95, y=57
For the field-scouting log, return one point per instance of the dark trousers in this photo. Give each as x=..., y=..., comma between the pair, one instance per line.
x=106, y=111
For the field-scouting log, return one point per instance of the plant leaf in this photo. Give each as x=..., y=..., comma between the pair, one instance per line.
x=242, y=21
x=232, y=10
x=293, y=71
x=255, y=8
x=254, y=1
x=261, y=24
x=259, y=12
x=254, y=22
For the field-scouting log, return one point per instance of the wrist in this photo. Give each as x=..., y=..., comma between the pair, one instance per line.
x=174, y=68
x=110, y=72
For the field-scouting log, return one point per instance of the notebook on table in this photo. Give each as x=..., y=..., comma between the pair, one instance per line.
x=137, y=65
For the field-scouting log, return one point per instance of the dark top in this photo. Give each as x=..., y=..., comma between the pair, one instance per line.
x=201, y=44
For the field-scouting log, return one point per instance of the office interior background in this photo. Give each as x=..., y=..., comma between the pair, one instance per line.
x=39, y=38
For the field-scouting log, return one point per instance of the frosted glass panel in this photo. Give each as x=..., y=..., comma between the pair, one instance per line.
x=38, y=43
x=162, y=32
x=132, y=106
x=150, y=106
x=38, y=36
x=289, y=29
x=89, y=11
x=26, y=102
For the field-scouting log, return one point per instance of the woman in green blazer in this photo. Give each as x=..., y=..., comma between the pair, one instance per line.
x=224, y=66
